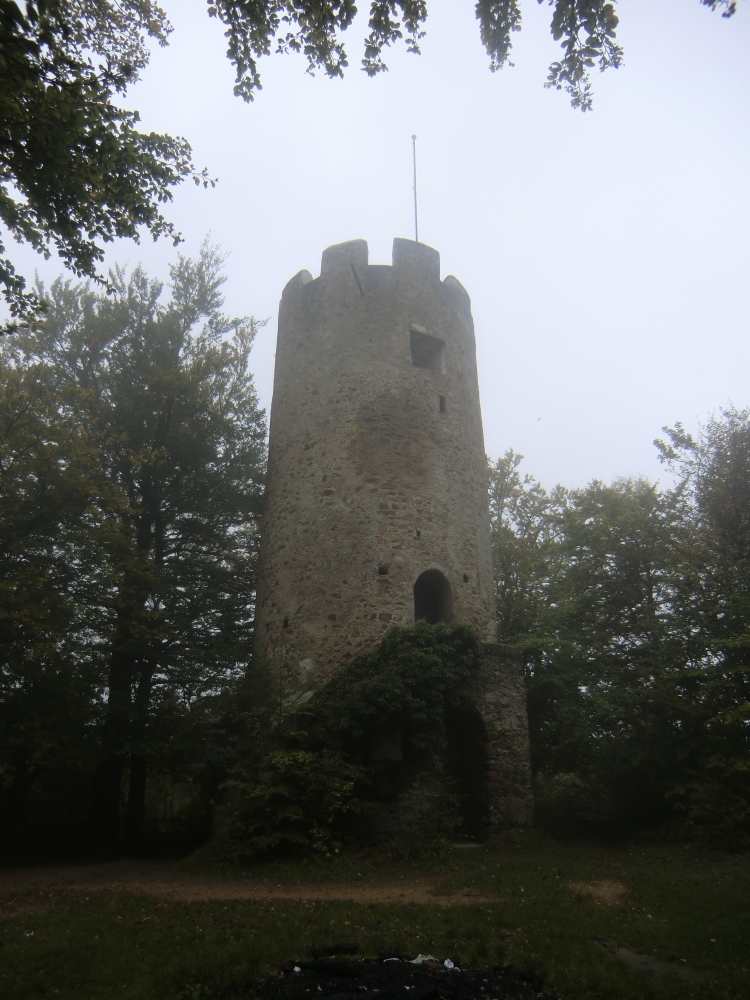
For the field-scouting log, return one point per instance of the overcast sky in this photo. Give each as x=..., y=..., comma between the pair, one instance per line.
x=606, y=254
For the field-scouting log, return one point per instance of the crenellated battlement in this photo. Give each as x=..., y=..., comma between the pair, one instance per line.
x=412, y=262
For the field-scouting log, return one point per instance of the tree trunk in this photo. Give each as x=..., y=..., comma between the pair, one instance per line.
x=105, y=819
x=105, y=813
x=136, y=808
x=15, y=801
x=125, y=723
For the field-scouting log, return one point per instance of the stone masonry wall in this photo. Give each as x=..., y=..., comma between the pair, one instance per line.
x=372, y=479
x=501, y=701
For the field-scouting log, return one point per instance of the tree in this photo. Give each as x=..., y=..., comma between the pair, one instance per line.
x=163, y=540
x=714, y=469
x=75, y=172
x=586, y=30
x=606, y=704
x=47, y=684
x=524, y=547
x=586, y=582
x=631, y=605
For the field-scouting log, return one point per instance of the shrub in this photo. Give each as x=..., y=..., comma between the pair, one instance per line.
x=370, y=754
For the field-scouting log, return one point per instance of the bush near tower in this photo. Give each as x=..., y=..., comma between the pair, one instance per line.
x=317, y=777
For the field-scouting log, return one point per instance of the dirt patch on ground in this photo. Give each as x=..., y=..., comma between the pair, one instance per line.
x=603, y=890
x=645, y=963
x=166, y=881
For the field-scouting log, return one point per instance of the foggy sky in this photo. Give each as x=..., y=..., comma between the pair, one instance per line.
x=606, y=254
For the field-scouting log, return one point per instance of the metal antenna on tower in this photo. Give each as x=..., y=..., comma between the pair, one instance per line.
x=414, y=160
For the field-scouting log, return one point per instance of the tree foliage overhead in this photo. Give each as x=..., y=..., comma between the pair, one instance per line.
x=585, y=29
x=75, y=171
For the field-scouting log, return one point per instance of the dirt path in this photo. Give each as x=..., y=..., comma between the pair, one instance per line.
x=603, y=890
x=168, y=881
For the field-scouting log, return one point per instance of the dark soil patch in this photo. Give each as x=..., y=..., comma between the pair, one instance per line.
x=388, y=978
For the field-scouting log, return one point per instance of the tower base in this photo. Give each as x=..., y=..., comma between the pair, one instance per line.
x=489, y=750
x=501, y=701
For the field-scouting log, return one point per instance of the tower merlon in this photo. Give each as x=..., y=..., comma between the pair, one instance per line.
x=454, y=286
x=301, y=278
x=354, y=252
x=418, y=259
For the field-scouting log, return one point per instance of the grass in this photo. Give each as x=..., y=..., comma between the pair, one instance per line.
x=682, y=905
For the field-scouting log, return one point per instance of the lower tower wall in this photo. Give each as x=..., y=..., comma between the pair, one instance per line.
x=501, y=701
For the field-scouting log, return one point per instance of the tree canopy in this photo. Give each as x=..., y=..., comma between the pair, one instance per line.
x=631, y=605
x=585, y=29
x=75, y=172
x=132, y=452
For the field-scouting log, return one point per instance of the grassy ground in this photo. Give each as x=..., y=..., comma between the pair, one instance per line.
x=685, y=908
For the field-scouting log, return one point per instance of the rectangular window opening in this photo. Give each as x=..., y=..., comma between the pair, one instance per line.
x=427, y=352
x=442, y=404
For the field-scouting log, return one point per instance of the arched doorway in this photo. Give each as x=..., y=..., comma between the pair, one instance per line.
x=433, y=600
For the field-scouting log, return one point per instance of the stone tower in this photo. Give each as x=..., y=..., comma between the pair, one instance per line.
x=377, y=485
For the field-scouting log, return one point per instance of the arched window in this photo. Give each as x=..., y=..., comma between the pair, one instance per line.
x=433, y=600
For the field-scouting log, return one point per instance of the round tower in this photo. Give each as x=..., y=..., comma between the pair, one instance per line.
x=376, y=502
